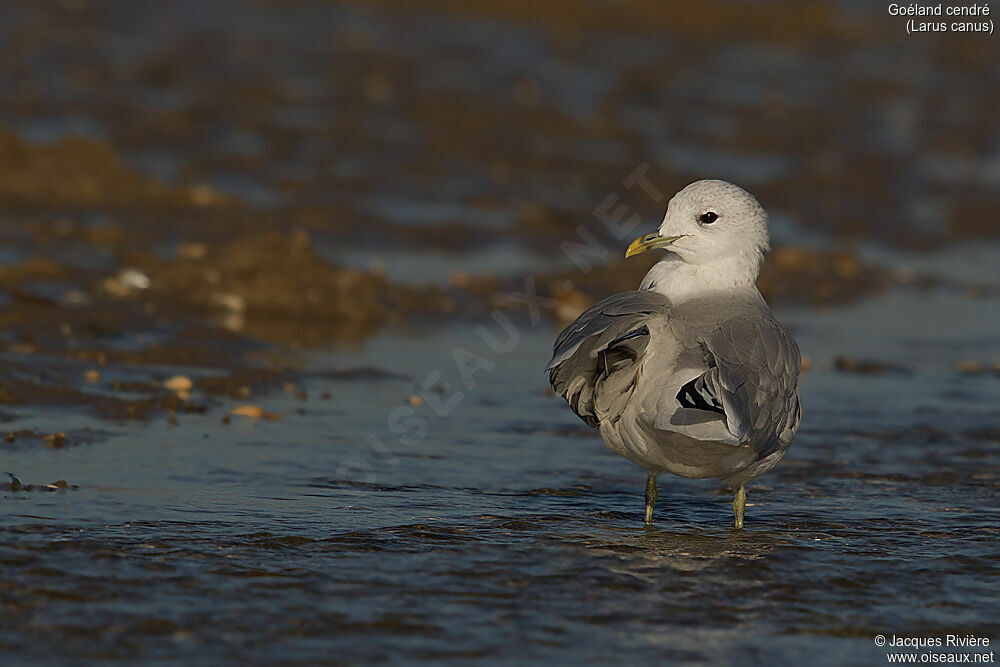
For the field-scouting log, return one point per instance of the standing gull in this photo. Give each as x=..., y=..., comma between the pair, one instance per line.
x=690, y=374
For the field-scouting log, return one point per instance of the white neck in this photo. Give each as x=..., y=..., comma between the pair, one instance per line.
x=679, y=281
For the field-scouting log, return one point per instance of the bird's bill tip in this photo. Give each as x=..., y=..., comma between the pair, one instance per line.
x=649, y=242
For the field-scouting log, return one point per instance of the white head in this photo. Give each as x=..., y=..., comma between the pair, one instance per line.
x=716, y=228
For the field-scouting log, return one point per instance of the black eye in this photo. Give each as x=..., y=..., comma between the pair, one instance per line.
x=708, y=218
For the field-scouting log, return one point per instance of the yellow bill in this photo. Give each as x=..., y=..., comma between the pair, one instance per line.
x=649, y=242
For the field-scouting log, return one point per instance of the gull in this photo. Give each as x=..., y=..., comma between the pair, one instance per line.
x=690, y=374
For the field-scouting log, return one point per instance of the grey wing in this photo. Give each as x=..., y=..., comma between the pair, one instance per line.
x=595, y=359
x=753, y=377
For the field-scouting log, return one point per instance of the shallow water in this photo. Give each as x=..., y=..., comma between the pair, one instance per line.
x=508, y=532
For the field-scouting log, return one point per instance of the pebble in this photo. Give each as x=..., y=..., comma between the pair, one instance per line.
x=179, y=383
x=55, y=440
x=254, y=412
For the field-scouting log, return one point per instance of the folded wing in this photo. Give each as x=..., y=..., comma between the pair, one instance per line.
x=753, y=370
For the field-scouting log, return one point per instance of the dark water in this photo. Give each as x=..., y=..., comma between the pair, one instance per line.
x=482, y=522
x=510, y=533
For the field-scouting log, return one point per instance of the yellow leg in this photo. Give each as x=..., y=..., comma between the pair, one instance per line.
x=651, y=495
x=740, y=505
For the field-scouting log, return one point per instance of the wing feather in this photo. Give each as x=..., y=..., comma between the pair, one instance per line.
x=758, y=394
x=595, y=360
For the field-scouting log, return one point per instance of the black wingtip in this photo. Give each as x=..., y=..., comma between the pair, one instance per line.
x=695, y=395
